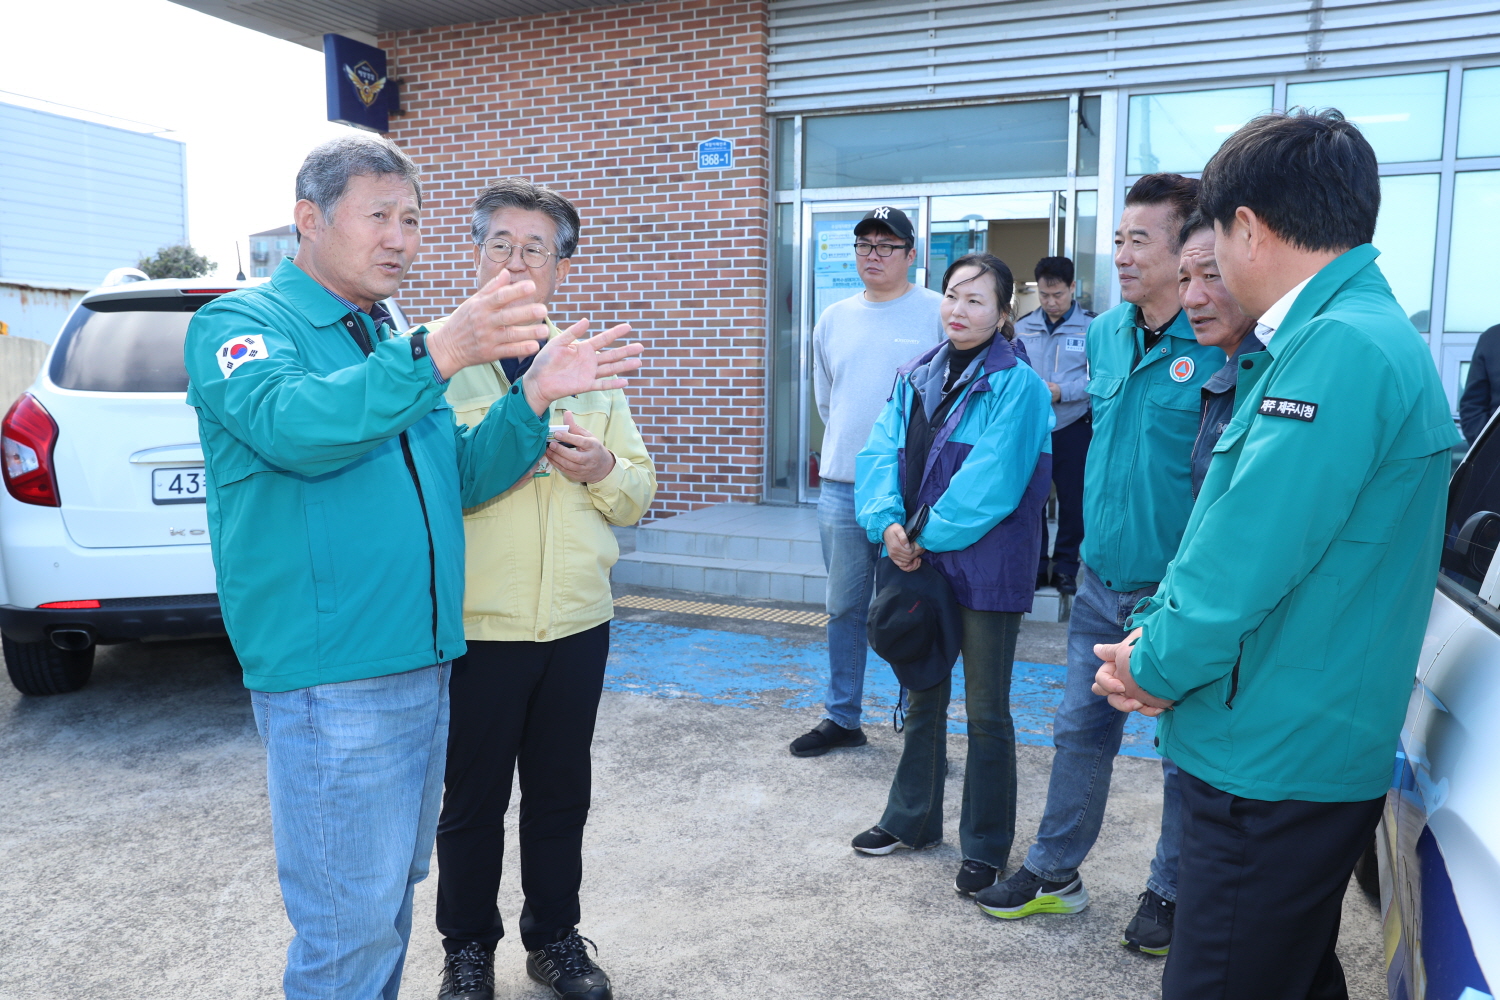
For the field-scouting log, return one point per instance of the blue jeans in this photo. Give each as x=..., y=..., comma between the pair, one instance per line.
x=1086, y=732
x=850, y=558
x=355, y=774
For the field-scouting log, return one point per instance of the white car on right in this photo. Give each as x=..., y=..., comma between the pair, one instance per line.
x=1438, y=845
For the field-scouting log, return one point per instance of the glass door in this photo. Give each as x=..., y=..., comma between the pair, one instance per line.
x=1019, y=228
x=828, y=256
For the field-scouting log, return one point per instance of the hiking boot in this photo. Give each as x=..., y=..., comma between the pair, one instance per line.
x=1150, y=930
x=469, y=975
x=827, y=735
x=877, y=841
x=1065, y=583
x=565, y=968
x=973, y=876
x=1025, y=893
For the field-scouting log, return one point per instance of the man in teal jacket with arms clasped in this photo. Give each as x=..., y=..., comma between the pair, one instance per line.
x=337, y=478
x=1283, y=640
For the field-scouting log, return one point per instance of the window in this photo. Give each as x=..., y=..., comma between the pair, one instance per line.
x=260, y=246
x=978, y=142
x=1402, y=116
x=786, y=154
x=261, y=272
x=1479, y=114
x=130, y=345
x=1088, y=136
x=1406, y=235
x=1179, y=132
x=1469, y=539
x=1472, y=306
x=1085, y=256
x=281, y=244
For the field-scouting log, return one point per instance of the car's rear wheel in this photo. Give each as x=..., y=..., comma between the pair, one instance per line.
x=42, y=668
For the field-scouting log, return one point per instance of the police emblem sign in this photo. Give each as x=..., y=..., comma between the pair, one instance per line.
x=359, y=92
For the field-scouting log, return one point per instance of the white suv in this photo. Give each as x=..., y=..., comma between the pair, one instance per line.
x=103, y=527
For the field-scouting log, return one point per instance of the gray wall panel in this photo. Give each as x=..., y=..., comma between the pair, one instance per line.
x=863, y=54
x=78, y=198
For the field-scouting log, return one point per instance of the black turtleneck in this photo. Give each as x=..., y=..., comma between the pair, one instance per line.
x=958, y=360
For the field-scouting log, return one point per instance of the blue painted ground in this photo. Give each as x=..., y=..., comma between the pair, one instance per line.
x=753, y=671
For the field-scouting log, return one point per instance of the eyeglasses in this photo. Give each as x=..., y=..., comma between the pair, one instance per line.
x=532, y=254
x=883, y=249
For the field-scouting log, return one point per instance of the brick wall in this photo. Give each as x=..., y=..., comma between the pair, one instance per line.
x=607, y=105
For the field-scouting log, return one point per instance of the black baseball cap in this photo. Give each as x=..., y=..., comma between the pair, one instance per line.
x=890, y=218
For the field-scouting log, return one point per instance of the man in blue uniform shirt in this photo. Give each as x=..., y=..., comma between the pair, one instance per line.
x=1054, y=335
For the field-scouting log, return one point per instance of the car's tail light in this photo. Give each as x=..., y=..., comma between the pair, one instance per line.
x=27, y=436
x=69, y=604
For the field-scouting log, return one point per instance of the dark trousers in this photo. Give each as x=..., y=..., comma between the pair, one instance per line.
x=529, y=705
x=1260, y=891
x=1070, y=448
x=987, y=820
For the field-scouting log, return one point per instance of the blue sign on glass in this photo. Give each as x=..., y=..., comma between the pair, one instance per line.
x=715, y=154
x=359, y=93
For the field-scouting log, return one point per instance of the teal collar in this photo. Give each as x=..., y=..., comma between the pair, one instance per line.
x=306, y=295
x=1324, y=286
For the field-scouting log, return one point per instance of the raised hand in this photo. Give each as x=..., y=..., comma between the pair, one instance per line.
x=567, y=366
x=498, y=321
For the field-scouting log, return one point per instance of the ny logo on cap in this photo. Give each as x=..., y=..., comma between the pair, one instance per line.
x=882, y=212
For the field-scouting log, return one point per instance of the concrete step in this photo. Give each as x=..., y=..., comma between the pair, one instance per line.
x=801, y=583
x=744, y=532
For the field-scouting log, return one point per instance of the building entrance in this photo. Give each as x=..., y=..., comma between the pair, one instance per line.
x=1018, y=227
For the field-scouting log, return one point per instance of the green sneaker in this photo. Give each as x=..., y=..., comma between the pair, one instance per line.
x=1025, y=893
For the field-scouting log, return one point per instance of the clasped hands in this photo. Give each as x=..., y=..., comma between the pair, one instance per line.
x=502, y=320
x=1115, y=682
x=906, y=554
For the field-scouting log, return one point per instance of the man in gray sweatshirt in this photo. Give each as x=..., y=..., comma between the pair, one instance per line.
x=858, y=344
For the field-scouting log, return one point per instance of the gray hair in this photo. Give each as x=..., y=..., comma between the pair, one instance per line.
x=324, y=176
x=515, y=192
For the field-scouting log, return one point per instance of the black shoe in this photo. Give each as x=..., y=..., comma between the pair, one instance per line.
x=973, y=876
x=565, y=967
x=1065, y=583
x=827, y=735
x=1150, y=930
x=1043, y=579
x=1025, y=893
x=469, y=975
x=877, y=841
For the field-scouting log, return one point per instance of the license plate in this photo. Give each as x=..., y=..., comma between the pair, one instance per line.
x=178, y=486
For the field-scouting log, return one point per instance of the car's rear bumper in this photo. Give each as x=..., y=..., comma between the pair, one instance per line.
x=120, y=618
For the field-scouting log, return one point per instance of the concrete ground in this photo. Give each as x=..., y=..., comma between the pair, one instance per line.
x=138, y=859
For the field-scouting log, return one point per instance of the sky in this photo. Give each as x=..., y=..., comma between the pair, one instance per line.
x=248, y=106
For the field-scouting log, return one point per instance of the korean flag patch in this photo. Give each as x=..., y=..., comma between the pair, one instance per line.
x=241, y=351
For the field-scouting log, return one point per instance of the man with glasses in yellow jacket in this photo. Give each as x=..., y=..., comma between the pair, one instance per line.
x=537, y=607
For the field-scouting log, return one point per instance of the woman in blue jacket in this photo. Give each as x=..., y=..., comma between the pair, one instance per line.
x=966, y=433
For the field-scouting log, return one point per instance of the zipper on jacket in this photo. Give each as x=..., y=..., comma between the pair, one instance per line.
x=1234, y=678
x=357, y=330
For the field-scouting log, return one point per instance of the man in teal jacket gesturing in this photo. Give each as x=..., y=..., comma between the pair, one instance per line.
x=337, y=480
x=1283, y=640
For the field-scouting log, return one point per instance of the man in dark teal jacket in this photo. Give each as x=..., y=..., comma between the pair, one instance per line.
x=1285, y=635
x=1145, y=372
x=337, y=477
